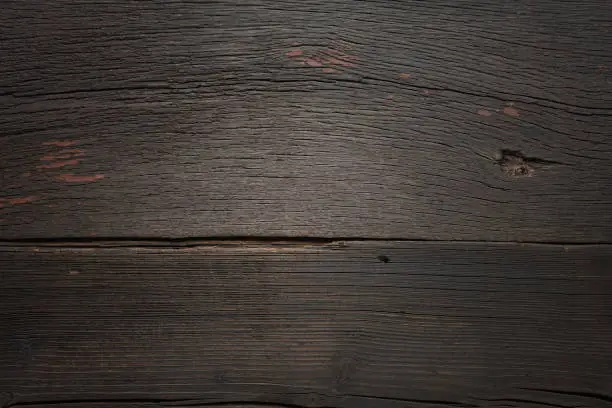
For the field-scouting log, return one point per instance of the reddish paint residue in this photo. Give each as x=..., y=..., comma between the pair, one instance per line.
x=511, y=112
x=339, y=61
x=312, y=61
x=329, y=70
x=22, y=200
x=343, y=57
x=72, y=152
x=327, y=59
x=79, y=152
x=404, y=75
x=61, y=143
x=64, y=154
x=60, y=164
x=484, y=112
x=294, y=53
x=51, y=157
x=71, y=178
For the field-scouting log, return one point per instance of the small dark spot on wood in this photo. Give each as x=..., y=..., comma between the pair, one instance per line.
x=219, y=378
x=383, y=258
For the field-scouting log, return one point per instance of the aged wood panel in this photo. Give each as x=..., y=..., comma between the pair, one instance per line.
x=378, y=119
x=344, y=324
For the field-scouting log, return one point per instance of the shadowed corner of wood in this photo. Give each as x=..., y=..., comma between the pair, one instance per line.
x=514, y=163
x=6, y=399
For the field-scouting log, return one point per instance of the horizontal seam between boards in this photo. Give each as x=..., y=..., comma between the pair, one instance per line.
x=135, y=242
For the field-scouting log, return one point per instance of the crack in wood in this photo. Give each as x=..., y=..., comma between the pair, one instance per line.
x=156, y=402
x=419, y=401
x=257, y=241
x=10, y=403
x=161, y=403
x=602, y=397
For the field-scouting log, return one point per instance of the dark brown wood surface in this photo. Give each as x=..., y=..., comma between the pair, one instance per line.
x=327, y=325
x=381, y=119
x=225, y=204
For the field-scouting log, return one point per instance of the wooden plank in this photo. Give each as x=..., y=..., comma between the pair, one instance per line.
x=351, y=324
x=317, y=118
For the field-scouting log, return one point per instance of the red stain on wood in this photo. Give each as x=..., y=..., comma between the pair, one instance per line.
x=63, y=155
x=328, y=60
x=426, y=91
x=510, y=111
x=484, y=112
x=338, y=61
x=51, y=157
x=341, y=56
x=313, y=62
x=329, y=70
x=294, y=53
x=22, y=200
x=404, y=75
x=61, y=143
x=60, y=164
x=71, y=178
x=74, y=152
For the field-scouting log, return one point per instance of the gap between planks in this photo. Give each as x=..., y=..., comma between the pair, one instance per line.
x=258, y=242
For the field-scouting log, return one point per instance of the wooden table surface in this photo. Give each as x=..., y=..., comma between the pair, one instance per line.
x=305, y=204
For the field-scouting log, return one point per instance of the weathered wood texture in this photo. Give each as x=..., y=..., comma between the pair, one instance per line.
x=306, y=118
x=465, y=325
